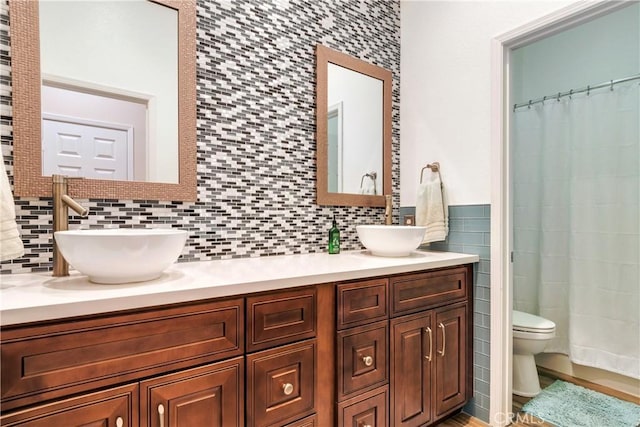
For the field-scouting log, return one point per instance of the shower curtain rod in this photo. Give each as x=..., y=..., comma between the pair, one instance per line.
x=587, y=89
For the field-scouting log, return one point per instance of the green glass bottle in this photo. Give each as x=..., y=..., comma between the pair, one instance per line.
x=334, y=238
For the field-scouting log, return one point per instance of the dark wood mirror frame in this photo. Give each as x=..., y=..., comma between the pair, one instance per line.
x=324, y=56
x=27, y=123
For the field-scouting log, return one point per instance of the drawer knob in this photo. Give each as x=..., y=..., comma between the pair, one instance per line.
x=287, y=388
x=119, y=422
x=368, y=361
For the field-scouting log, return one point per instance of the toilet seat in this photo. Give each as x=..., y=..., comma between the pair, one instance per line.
x=526, y=322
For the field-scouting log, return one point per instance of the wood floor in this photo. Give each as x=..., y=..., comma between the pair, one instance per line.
x=462, y=420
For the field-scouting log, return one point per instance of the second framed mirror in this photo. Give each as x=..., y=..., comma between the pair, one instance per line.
x=353, y=119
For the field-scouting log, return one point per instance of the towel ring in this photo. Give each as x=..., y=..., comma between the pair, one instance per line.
x=435, y=167
x=373, y=176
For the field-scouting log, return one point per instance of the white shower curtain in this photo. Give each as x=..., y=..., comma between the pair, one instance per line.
x=576, y=176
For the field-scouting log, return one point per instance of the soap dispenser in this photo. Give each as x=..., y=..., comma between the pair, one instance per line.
x=334, y=238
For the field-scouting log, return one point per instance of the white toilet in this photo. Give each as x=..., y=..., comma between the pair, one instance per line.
x=530, y=336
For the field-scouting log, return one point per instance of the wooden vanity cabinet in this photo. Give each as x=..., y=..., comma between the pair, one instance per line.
x=388, y=351
x=282, y=374
x=369, y=409
x=70, y=359
x=57, y=359
x=116, y=407
x=209, y=396
x=403, y=352
x=431, y=350
x=362, y=353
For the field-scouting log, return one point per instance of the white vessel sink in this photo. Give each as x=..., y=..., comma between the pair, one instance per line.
x=390, y=240
x=121, y=255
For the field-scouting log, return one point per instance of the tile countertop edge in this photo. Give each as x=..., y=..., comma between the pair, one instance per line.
x=45, y=298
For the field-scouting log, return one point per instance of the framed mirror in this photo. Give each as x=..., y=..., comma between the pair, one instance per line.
x=105, y=91
x=353, y=139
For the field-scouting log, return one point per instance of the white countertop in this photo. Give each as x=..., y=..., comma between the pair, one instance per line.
x=39, y=296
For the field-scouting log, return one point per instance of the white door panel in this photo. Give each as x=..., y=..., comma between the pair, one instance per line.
x=86, y=149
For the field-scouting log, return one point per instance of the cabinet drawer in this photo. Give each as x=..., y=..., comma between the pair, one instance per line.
x=311, y=421
x=280, y=384
x=210, y=396
x=362, y=359
x=52, y=360
x=113, y=407
x=280, y=318
x=415, y=292
x=360, y=303
x=370, y=409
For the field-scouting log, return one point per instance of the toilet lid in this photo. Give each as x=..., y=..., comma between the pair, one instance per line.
x=531, y=323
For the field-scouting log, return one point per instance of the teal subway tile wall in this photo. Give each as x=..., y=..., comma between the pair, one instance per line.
x=469, y=232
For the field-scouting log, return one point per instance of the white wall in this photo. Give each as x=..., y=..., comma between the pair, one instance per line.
x=445, y=90
x=604, y=49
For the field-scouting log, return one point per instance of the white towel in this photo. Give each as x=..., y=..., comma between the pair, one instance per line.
x=368, y=186
x=432, y=210
x=10, y=244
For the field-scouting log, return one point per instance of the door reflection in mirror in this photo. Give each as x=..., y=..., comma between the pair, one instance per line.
x=334, y=150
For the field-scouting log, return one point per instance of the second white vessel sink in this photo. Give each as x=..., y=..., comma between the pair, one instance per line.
x=390, y=240
x=121, y=255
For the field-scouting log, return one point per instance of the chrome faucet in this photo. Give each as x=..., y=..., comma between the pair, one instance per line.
x=388, y=209
x=62, y=201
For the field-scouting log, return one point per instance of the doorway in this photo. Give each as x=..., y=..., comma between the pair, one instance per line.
x=503, y=100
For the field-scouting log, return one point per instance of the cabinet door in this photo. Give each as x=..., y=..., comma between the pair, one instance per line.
x=281, y=384
x=209, y=396
x=370, y=409
x=450, y=358
x=411, y=356
x=116, y=407
x=362, y=359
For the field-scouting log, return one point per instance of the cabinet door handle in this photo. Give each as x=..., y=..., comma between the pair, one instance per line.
x=119, y=422
x=367, y=360
x=428, y=330
x=287, y=388
x=444, y=339
x=161, y=414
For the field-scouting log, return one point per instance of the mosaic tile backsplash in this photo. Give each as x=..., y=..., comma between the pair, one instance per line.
x=256, y=132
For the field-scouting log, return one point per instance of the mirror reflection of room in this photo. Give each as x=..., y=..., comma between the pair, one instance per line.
x=355, y=131
x=109, y=90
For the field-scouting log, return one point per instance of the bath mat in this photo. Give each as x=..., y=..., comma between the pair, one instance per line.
x=568, y=405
